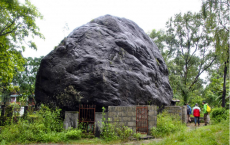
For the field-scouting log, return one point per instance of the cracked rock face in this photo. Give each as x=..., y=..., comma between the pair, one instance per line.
x=109, y=61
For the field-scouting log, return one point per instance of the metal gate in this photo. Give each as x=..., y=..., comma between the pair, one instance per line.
x=87, y=118
x=142, y=119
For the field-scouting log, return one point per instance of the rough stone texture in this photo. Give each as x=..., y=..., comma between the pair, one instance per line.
x=109, y=61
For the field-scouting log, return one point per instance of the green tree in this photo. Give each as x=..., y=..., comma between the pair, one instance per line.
x=213, y=92
x=216, y=14
x=26, y=80
x=160, y=38
x=17, y=22
x=189, y=46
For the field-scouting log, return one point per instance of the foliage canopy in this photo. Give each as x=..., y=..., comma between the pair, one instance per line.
x=17, y=22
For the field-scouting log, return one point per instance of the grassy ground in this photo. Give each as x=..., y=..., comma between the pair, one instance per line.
x=211, y=135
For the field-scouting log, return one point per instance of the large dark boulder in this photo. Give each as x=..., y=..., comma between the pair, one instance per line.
x=109, y=61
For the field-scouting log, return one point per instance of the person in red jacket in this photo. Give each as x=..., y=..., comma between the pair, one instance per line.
x=196, y=114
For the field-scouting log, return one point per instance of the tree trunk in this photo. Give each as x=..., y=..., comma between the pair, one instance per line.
x=185, y=96
x=224, y=85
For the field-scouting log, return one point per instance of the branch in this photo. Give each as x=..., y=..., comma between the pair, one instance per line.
x=191, y=56
x=201, y=73
x=223, y=25
x=221, y=3
x=10, y=31
x=195, y=49
x=6, y=27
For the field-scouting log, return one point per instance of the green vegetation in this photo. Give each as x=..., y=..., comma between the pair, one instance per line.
x=219, y=114
x=192, y=44
x=185, y=51
x=212, y=134
x=167, y=124
x=17, y=23
x=216, y=15
x=113, y=131
x=45, y=126
x=188, y=53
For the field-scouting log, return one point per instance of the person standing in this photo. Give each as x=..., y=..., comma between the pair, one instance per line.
x=189, y=111
x=196, y=113
x=205, y=113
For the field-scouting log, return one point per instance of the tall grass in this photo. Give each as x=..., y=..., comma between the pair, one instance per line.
x=217, y=134
x=167, y=124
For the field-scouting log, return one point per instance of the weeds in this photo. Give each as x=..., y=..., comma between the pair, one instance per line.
x=46, y=126
x=113, y=131
x=166, y=124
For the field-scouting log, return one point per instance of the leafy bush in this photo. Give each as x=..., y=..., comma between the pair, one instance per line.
x=167, y=124
x=114, y=132
x=73, y=134
x=218, y=114
x=45, y=126
x=50, y=118
x=124, y=132
x=108, y=129
x=137, y=136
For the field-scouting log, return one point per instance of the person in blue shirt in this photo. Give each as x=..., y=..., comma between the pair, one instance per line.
x=189, y=111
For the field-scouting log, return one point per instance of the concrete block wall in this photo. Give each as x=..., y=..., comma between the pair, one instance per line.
x=152, y=117
x=119, y=115
x=126, y=115
x=98, y=122
x=178, y=110
x=71, y=119
x=123, y=115
x=184, y=114
x=174, y=110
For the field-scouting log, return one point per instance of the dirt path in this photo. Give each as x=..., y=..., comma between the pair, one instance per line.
x=192, y=126
x=140, y=142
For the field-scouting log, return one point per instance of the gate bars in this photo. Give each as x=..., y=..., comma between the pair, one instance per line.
x=87, y=117
x=142, y=119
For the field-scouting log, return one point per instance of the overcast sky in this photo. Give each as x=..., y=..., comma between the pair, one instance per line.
x=148, y=14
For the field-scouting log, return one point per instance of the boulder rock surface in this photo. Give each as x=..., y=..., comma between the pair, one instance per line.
x=109, y=61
